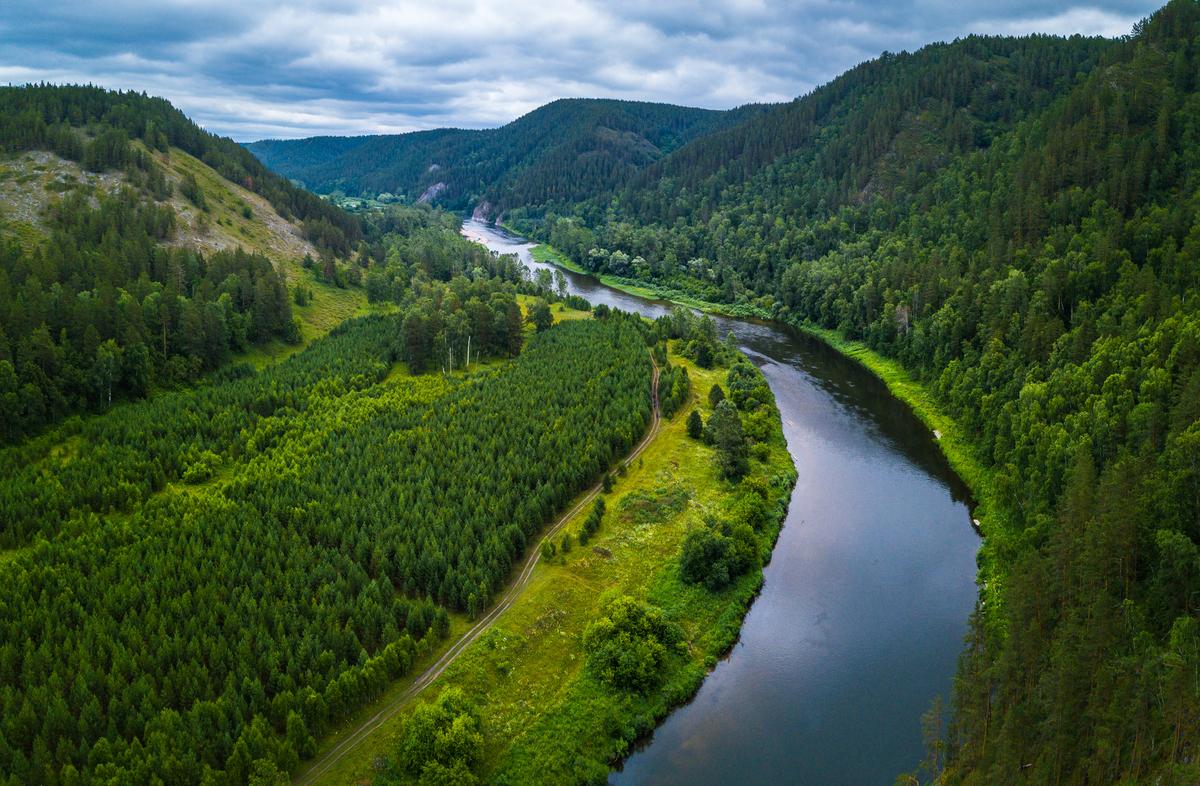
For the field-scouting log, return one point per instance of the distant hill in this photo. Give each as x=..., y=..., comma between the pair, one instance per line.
x=564, y=151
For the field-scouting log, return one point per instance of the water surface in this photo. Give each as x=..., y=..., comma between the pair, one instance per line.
x=865, y=603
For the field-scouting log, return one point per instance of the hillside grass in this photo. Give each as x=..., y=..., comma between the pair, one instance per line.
x=233, y=216
x=540, y=709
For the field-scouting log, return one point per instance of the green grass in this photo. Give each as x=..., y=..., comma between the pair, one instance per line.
x=540, y=710
x=329, y=307
x=552, y=256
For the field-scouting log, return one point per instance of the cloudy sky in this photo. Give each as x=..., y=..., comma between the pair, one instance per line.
x=256, y=68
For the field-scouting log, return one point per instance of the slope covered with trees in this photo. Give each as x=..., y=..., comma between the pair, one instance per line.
x=1015, y=221
x=125, y=272
x=51, y=117
x=566, y=150
x=702, y=220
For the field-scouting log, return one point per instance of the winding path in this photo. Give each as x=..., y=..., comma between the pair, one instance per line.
x=331, y=757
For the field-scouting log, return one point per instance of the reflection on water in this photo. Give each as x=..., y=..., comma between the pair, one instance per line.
x=866, y=598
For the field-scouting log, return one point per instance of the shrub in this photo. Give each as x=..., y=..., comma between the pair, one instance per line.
x=717, y=553
x=628, y=646
x=440, y=742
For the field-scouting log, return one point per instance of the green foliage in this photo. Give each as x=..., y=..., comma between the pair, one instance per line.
x=716, y=553
x=697, y=335
x=440, y=743
x=716, y=394
x=202, y=467
x=674, y=387
x=540, y=316
x=192, y=191
x=725, y=432
x=592, y=523
x=443, y=323
x=747, y=388
x=629, y=645
x=695, y=424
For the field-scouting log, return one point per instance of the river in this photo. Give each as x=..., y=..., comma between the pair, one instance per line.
x=865, y=604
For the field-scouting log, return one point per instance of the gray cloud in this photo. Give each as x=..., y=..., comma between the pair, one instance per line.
x=269, y=69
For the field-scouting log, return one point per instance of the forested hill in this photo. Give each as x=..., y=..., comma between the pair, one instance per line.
x=138, y=251
x=1018, y=223
x=879, y=133
x=564, y=151
x=50, y=117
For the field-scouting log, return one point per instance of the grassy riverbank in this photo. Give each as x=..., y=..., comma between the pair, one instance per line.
x=544, y=718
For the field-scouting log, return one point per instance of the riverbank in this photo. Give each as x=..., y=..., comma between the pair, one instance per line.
x=951, y=440
x=550, y=255
x=543, y=717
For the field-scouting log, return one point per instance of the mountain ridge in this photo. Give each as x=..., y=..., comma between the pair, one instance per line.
x=601, y=142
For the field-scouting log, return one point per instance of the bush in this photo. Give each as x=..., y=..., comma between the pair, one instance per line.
x=440, y=742
x=717, y=553
x=747, y=387
x=628, y=646
x=592, y=522
x=202, y=467
x=695, y=425
x=191, y=189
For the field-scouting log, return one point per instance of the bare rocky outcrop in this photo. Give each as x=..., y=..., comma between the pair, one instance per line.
x=431, y=193
x=482, y=211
